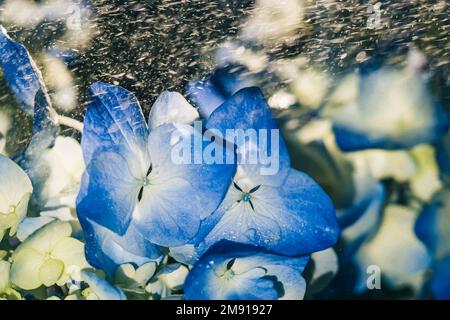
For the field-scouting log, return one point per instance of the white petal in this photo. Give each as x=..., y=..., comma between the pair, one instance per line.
x=175, y=278
x=171, y=107
x=4, y=275
x=325, y=267
x=46, y=238
x=25, y=268
x=15, y=184
x=30, y=225
x=395, y=249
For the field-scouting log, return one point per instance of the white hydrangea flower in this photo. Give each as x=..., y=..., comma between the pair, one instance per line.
x=169, y=279
x=47, y=257
x=129, y=276
x=384, y=164
x=100, y=289
x=64, y=164
x=417, y=166
x=15, y=192
x=134, y=280
x=6, y=292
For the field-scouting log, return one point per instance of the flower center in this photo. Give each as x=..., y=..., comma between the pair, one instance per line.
x=246, y=197
x=229, y=274
x=145, y=182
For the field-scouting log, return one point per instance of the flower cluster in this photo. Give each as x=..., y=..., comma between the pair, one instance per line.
x=334, y=186
x=154, y=228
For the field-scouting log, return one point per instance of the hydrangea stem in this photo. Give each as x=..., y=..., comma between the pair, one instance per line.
x=69, y=122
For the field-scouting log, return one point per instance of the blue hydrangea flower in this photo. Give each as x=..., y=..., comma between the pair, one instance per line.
x=131, y=188
x=286, y=212
x=231, y=270
x=385, y=108
x=25, y=81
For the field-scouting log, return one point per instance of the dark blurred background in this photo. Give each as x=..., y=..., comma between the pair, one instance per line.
x=148, y=46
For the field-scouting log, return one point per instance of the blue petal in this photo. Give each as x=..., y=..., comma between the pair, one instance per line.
x=433, y=225
x=350, y=215
x=114, y=119
x=109, y=190
x=369, y=192
x=114, y=146
x=351, y=140
x=45, y=131
x=293, y=219
x=20, y=71
x=368, y=213
x=426, y=227
x=248, y=110
x=230, y=79
x=231, y=270
x=205, y=96
x=179, y=195
x=210, y=92
x=45, y=127
x=443, y=157
x=440, y=284
x=107, y=250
